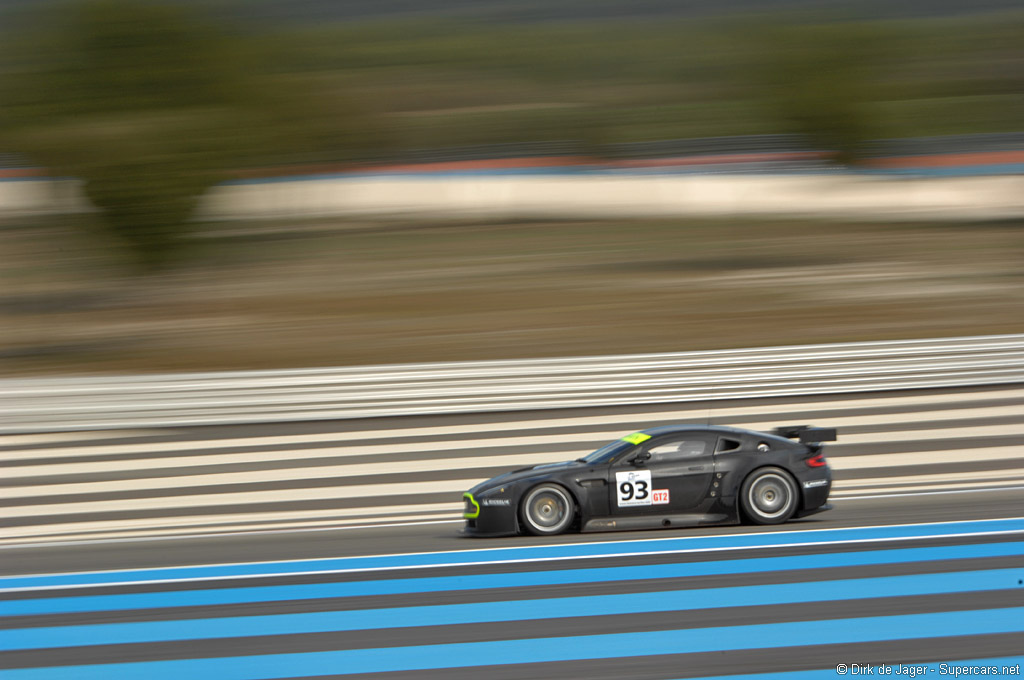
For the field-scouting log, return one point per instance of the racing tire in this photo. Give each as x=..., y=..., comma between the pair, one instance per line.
x=546, y=510
x=769, y=496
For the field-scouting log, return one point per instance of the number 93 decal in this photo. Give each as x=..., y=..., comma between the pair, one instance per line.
x=634, y=487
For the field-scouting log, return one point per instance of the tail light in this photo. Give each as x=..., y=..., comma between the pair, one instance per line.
x=817, y=461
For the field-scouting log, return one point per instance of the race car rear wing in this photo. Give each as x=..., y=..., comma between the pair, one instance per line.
x=806, y=433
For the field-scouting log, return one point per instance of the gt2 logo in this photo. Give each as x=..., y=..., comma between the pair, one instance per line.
x=634, y=487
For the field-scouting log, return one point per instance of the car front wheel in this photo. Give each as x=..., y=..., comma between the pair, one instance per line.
x=547, y=510
x=768, y=496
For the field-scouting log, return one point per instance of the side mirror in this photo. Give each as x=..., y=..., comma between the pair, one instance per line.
x=641, y=459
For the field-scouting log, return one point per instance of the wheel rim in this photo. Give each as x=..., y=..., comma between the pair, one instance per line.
x=770, y=495
x=547, y=509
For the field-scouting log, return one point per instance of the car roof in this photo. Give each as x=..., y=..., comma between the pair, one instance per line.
x=716, y=429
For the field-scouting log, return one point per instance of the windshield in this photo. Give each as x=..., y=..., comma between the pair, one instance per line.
x=607, y=452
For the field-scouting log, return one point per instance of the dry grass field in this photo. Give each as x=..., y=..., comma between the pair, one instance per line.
x=324, y=293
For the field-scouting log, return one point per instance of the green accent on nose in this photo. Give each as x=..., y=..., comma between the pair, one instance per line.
x=476, y=506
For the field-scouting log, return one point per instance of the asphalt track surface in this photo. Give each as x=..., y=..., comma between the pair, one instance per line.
x=921, y=564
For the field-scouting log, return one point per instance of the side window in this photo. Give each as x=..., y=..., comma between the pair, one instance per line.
x=625, y=455
x=679, y=449
x=726, y=445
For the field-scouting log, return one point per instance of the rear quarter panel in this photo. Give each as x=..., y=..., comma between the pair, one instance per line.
x=735, y=466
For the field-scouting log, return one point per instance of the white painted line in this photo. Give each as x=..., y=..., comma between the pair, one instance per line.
x=900, y=419
x=63, y=437
x=529, y=560
x=924, y=487
x=484, y=445
x=384, y=468
x=656, y=417
x=229, y=528
x=379, y=470
x=354, y=449
x=986, y=489
x=166, y=525
x=885, y=460
x=954, y=477
x=244, y=497
x=365, y=514
x=504, y=549
x=925, y=435
x=136, y=539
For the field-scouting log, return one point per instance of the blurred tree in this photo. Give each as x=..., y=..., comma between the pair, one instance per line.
x=823, y=80
x=149, y=106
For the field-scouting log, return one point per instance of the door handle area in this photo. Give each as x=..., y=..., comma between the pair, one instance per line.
x=696, y=468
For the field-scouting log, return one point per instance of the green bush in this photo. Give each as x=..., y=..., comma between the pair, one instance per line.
x=150, y=106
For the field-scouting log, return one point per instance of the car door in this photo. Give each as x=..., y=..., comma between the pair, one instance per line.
x=670, y=474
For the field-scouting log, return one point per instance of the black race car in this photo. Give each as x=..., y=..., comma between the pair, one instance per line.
x=675, y=475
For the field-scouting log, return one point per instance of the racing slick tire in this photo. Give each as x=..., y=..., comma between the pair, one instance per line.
x=769, y=496
x=546, y=510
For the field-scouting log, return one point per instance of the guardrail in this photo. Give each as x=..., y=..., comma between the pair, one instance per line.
x=51, y=404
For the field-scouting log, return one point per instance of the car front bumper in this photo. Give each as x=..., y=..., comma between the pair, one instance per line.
x=489, y=516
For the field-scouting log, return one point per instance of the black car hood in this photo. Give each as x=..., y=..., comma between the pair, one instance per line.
x=525, y=473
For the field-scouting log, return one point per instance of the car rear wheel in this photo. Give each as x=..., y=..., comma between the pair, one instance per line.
x=768, y=496
x=547, y=510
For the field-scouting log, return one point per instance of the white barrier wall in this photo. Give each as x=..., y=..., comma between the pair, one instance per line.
x=846, y=196
x=595, y=195
x=231, y=397
x=21, y=197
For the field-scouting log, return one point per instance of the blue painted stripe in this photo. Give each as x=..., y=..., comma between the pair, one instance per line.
x=958, y=171
x=1013, y=665
x=223, y=596
x=517, y=610
x=606, y=171
x=544, y=650
x=526, y=553
x=32, y=178
x=788, y=168
x=425, y=175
